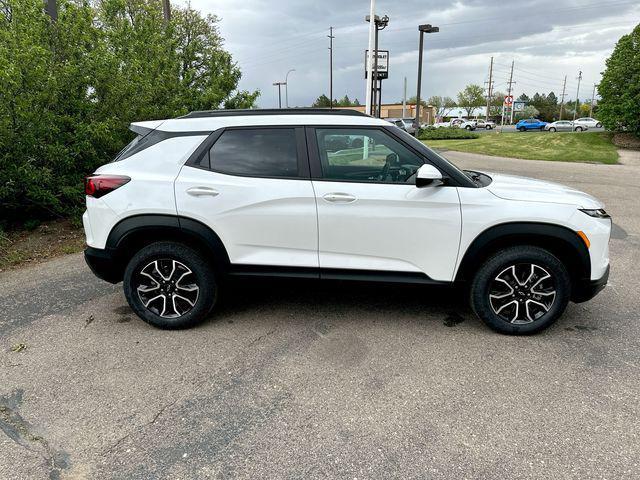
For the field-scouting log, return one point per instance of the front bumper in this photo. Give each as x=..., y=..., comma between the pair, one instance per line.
x=104, y=264
x=587, y=289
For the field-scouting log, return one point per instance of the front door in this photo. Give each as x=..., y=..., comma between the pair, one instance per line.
x=371, y=216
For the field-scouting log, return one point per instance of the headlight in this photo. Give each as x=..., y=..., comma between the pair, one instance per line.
x=595, y=213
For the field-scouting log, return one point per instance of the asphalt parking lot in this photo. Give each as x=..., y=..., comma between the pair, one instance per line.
x=308, y=380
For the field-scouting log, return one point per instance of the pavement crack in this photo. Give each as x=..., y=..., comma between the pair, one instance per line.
x=21, y=433
x=141, y=427
x=262, y=337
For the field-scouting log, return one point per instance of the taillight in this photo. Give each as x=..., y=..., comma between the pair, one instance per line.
x=98, y=185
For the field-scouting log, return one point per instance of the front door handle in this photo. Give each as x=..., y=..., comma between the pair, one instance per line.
x=339, y=197
x=202, y=191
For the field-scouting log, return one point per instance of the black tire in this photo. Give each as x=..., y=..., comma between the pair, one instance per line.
x=191, y=266
x=552, y=129
x=488, y=127
x=544, y=307
x=468, y=127
x=522, y=129
x=598, y=125
x=578, y=129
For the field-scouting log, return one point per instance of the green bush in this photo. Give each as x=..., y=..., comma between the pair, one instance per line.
x=446, y=133
x=69, y=89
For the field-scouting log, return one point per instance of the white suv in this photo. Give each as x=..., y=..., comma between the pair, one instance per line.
x=194, y=200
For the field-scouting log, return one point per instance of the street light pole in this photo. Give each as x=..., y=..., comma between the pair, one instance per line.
x=369, y=82
x=422, y=29
x=286, y=87
x=279, y=84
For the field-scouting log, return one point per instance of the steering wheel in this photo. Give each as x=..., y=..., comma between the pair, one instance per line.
x=391, y=158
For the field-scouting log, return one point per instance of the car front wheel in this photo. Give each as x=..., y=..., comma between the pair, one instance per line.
x=552, y=129
x=170, y=285
x=522, y=129
x=520, y=290
x=578, y=129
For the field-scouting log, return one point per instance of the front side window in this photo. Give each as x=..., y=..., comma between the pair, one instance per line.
x=369, y=156
x=260, y=152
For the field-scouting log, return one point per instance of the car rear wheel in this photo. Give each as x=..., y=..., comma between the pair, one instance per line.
x=578, y=129
x=488, y=127
x=170, y=285
x=520, y=290
x=598, y=125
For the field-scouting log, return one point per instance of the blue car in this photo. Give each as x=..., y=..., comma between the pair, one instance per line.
x=530, y=124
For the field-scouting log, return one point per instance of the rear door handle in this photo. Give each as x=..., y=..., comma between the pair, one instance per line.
x=202, y=191
x=339, y=197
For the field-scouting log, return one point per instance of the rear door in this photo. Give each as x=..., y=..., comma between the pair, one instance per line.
x=251, y=186
x=371, y=215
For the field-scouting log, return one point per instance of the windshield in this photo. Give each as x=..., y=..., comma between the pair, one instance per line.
x=408, y=122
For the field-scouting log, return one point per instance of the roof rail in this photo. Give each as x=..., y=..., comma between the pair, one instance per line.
x=271, y=111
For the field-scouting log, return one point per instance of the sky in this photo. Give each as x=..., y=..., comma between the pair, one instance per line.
x=546, y=40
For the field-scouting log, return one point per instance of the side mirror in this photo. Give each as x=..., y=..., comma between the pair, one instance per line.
x=426, y=175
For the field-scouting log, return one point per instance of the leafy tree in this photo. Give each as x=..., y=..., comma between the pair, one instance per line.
x=524, y=98
x=322, y=102
x=412, y=101
x=619, y=89
x=69, y=89
x=529, y=111
x=443, y=105
x=471, y=98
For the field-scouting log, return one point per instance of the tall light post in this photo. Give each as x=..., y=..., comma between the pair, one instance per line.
x=286, y=87
x=369, y=81
x=279, y=84
x=376, y=93
x=427, y=28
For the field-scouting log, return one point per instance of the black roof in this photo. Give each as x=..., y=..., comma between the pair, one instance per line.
x=271, y=111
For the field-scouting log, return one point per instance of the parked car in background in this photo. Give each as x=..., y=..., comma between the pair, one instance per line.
x=587, y=122
x=486, y=124
x=457, y=123
x=530, y=124
x=405, y=124
x=563, y=126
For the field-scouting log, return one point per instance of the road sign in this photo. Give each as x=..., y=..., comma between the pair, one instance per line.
x=518, y=106
x=508, y=100
x=383, y=64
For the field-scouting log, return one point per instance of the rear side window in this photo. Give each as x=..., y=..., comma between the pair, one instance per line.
x=260, y=152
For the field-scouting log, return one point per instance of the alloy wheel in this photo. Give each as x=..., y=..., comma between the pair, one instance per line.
x=167, y=288
x=522, y=293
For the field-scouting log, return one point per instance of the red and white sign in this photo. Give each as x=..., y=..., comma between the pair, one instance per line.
x=508, y=100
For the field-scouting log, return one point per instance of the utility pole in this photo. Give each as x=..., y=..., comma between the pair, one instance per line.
x=593, y=96
x=489, y=88
x=52, y=9
x=331, y=37
x=166, y=11
x=404, y=99
x=369, y=82
x=564, y=87
x=286, y=87
x=509, y=88
x=575, y=110
x=279, y=84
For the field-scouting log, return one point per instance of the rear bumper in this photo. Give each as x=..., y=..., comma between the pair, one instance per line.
x=104, y=264
x=587, y=289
